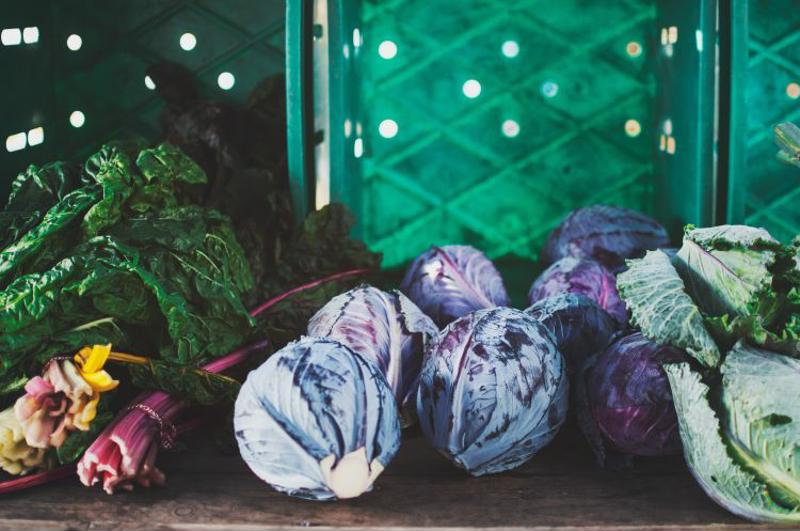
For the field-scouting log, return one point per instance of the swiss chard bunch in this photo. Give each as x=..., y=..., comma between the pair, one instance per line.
x=116, y=252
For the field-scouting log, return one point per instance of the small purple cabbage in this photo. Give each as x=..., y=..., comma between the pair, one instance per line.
x=580, y=327
x=581, y=277
x=628, y=406
x=454, y=280
x=493, y=390
x=607, y=234
x=384, y=328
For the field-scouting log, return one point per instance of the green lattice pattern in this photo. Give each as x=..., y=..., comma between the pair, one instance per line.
x=773, y=188
x=105, y=78
x=450, y=174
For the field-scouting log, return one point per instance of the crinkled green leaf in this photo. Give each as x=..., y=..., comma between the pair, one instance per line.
x=725, y=480
x=33, y=193
x=761, y=401
x=660, y=307
x=727, y=269
x=166, y=163
x=112, y=168
x=188, y=383
x=48, y=240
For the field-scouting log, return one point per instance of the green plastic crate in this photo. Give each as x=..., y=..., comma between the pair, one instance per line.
x=103, y=78
x=765, y=91
x=486, y=124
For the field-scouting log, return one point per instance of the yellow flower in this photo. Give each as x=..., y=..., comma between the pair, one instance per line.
x=90, y=361
x=16, y=457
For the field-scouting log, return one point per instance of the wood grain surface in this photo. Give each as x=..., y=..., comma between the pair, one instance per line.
x=561, y=488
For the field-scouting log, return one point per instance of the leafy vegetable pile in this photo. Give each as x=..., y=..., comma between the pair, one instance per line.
x=729, y=297
x=114, y=252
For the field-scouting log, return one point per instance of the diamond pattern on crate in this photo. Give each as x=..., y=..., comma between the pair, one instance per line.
x=773, y=189
x=105, y=78
x=490, y=170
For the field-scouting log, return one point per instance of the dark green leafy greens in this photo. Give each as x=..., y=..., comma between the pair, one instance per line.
x=124, y=257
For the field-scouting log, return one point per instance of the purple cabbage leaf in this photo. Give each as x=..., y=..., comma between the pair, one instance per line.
x=581, y=277
x=607, y=234
x=451, y=281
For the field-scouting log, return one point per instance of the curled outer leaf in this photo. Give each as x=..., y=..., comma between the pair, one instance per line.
x=761, y=400
x=580, y=327
x=728, y=269
x=493, y=391
x=606, y=234
x=451, y=281
x=384, y=328
x=581, y=276
x=317, y=421
x=663, y=311
x=726, y=481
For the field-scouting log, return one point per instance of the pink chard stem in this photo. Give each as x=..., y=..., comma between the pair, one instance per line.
x=313, y=284
x=40, y=478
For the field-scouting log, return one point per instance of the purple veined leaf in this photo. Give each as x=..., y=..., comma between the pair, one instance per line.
x=607, y=234
x=626, y=405
x=493, y=390
x=581, y=277
x=454, y=280
x=317, y=421
x=581, y=328
x=385, y=328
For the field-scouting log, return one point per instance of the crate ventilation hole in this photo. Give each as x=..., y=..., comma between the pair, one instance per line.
x=74, y=42
x=19, y=141
x=17, y=36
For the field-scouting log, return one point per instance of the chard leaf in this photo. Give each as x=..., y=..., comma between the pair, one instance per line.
x=761, y=400
x=727, y=270
x=654, y=293
x=190, y=384
x=50, y=238
x=727, y=482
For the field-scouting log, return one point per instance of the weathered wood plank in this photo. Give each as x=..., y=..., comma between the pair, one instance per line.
x=560, y=489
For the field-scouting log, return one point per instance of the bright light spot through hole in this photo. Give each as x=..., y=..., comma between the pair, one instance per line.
x=634, y=49
x=633, y=128
x=388, y=128
x=357, y=40
x=74, y=42
x=36, y=136
x=188, y=41
x=11, y=37
x=510, y=49
x=30, y=35
x=77, y=119
x=15, y=142
x=148, y=82
x=471, y=88
x=358, y=148
x=793, y=90
x=510, y=128
x=226, y=81
x=550, y=89
x=387, y=50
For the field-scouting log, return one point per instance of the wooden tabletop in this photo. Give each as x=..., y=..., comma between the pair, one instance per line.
x=561, y=488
